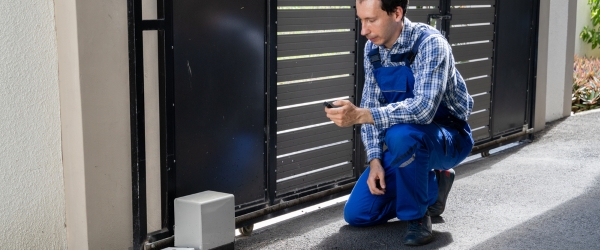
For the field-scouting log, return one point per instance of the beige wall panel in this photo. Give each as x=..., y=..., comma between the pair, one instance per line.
x=104, y=78
x=95, y=92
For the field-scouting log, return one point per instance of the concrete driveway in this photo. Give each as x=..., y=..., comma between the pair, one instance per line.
x=539, y=195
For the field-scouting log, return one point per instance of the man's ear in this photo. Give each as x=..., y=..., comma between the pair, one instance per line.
x=398, y=13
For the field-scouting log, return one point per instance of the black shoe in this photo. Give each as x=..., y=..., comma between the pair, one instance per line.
x=419, y=232
x=445, y=179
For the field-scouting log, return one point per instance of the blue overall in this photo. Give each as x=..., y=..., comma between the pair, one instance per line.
x=413, y=152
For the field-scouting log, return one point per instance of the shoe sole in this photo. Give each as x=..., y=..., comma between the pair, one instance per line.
x=424, y=242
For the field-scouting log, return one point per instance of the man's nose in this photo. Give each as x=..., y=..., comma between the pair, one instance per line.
x=364, y=31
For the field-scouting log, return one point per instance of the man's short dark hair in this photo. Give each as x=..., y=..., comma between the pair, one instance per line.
x=390, y=6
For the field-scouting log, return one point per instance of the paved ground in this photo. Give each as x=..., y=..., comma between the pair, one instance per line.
x=539, y=195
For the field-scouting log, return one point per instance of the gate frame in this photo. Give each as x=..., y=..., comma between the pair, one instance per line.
x=163, y=26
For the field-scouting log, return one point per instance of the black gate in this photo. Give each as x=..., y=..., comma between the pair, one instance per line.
x=242, y=84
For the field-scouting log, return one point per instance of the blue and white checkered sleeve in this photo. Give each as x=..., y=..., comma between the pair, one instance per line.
x=431, y=67
x=371, y=136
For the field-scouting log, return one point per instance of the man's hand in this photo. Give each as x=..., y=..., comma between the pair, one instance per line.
x=346, y=114
x=376, y=175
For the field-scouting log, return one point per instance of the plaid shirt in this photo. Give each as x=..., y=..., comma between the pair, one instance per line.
x=436, y=81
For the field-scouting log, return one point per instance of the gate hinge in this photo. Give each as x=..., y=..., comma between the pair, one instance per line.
x=526, y=129
x=438, y=16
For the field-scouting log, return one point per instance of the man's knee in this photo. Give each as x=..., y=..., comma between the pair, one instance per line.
x=355, y=217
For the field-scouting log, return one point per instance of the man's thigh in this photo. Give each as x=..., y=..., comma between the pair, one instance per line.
x=446, y=147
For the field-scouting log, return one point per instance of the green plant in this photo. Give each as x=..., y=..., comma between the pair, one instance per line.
x=591, y=34
x=586, y=85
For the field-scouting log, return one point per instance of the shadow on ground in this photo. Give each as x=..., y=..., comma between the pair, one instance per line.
x=572, y=225
x=386, y=236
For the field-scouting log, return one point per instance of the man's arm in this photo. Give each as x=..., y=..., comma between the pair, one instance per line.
x=347, y=114
x=371, y=136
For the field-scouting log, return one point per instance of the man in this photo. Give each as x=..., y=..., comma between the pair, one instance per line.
x=415, y=103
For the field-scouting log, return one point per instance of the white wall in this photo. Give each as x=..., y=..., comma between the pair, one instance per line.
x=583, y=19
x=32, y=204
x=555, y=59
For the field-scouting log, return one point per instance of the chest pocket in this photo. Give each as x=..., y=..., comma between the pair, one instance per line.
x=396, y=83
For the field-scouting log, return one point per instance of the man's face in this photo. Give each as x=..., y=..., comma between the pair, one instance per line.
x=377, y=25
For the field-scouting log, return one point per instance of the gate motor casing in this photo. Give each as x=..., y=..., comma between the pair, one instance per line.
x=205, y=220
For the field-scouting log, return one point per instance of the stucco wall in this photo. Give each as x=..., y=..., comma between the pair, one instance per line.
x=32, y=205
x=583, y=19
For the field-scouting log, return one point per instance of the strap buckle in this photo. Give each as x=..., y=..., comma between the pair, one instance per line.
x=374, y=58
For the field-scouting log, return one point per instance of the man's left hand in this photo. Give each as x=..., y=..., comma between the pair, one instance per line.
x=346, y=114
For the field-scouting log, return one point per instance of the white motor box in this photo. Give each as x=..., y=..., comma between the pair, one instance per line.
x=205, y=220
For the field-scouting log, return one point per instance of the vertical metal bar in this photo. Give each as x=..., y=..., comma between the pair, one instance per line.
x=494, y=62
x=163, y=107
x=445, y=10
x=167, y=121
x=137, y=121
x=533, y=65
x=271, y=101
x=359, y=77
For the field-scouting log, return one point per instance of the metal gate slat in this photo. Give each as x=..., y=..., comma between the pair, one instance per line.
x=473, y=69
x=305, y=38
x=328, y=175
x=472, y=51
x=300, y=20
x=316, y=117
x=479, y=85
x=315, y=68
x=313, y=137
x=300, y=117
x=290, y=70
x=473, y=2
x=303, y=159
x=480, y=119
x=312, y=14
x=481, y=134
x=315, y=19
x=423, y=3
x=320, y=26
x=325, y=161
x=298, y=111
x=315, y=61
x=314, y=74
x=333, y=47
x=315, y=3
x=481, y=102
x=471, y=33
x=293, y=45
x=472, y=15
x=296, y=93
x=314, y=160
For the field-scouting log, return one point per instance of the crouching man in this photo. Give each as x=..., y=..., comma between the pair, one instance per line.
x=415, y=103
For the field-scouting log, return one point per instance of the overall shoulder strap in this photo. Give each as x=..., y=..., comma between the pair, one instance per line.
x=374, y=58
x=415, y=49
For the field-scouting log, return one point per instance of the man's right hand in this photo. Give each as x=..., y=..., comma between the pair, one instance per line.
x=376, y=174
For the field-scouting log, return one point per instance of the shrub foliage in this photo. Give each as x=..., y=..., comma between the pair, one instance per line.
x=591, y=34
x=586, y=86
